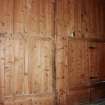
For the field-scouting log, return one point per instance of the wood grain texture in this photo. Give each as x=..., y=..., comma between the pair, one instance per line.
x=26, y=68
x=29, y=32
x=84, y=17
x=34, y=17
x=76, y=61
x=26, y=52
x=6, y=16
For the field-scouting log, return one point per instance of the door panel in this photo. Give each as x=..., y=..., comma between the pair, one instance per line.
x=86, y=71
x=26, y=71
x=78, y=64
x=79, y=83
x=97, y=70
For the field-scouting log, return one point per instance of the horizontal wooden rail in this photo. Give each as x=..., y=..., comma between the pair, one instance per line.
x=102, y=40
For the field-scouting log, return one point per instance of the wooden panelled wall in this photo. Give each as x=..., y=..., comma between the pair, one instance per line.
x=26, y=52
x=29, y=32
x=80, y=59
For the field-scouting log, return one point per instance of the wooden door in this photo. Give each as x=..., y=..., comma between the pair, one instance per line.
x=97, y=70
x=78, y=73
x=26, y=71
x=26, y=52
x=86, y=62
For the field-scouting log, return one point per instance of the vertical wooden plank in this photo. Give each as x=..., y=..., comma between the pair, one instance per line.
x=40, y=15
x=102, y=19
x=19, y=16
x=78, y=64
x=19, y=66
x=34, y=73
x=97, y=16
x=26, y=69
x=77, y=17
x=92, y=14
x=8, y=65
x=47, y=67
x=2, y=57
x=65, y=17
x=6, y=16
x=33, y=17
x=85, y=16
x=62, y=69
x=6, y=29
